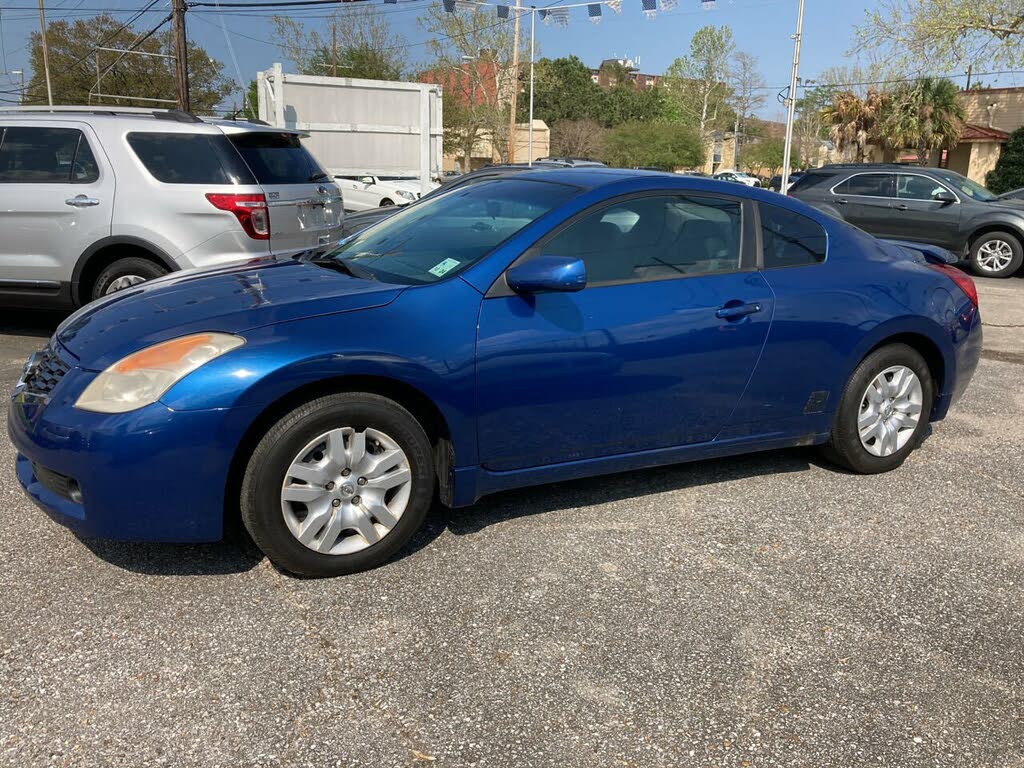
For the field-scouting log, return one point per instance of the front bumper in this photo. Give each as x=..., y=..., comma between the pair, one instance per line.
x=154, y=474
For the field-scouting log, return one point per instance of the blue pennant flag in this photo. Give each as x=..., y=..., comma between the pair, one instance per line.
x=449, y=5
x=502, y=11
x=650, y=8
x=594, y=12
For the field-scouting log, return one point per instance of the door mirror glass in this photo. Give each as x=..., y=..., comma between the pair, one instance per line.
x=944, y=197
x=546, y=274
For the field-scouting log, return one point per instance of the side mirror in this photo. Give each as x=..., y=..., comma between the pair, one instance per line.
x=366, y=179
x=944, y=197
x=547, y=274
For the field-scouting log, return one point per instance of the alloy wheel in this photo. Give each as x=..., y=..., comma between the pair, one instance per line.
x=995, y=255
x=890, y=410
x=346, y=490
x=125, y=281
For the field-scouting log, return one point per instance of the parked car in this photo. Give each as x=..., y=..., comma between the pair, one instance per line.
x=775, y=182
x=357, y=222
x=928, y=205
x=495, y=337
x=581, y=162
x=94, y=200
x=365, y=192
x=1013, y=194
x=739, y=177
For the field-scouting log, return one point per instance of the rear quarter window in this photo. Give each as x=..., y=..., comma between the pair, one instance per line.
x=278, y=158
x=789, y=239
x=809, y=181
x=189, y=158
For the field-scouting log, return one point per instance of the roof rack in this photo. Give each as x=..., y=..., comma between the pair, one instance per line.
x=843, y=166
x=176, y=115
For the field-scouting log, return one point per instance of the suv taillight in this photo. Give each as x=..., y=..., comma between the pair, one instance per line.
x=963, y=281
x=250, y=210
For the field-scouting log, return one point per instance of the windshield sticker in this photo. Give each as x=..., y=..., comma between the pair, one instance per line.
x=439, y=270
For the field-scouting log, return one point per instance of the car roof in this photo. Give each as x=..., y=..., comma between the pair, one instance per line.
x=171, y=120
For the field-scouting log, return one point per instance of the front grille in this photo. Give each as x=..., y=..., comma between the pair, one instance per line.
x=62, y=485
x=46, y=372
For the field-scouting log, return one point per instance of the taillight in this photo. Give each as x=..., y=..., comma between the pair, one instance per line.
x=963, y=281
x=250, y=210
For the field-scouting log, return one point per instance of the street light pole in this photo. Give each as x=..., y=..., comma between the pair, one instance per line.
x=533, y=24
x=513, y=97
x=791, y=101
x=46, y=53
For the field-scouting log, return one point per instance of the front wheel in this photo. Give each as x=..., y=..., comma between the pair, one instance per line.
x=883, y=413
x=338, y=485
x=125, y=273
x=996, y=254
x=386, y=202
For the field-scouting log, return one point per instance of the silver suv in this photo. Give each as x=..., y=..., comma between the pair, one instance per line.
x=94, y=200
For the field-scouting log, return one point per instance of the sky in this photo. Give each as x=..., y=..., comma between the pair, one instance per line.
x=760, y=27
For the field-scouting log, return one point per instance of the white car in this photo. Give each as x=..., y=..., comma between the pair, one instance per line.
x=364, y=192
x=738, y=176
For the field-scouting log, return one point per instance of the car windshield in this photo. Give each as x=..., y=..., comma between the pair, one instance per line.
x=965, y=186
x=443, y=235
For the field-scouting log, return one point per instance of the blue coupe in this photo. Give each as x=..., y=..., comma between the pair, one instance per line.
x=513, y=332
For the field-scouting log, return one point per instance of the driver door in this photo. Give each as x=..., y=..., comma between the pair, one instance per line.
x=654, y=352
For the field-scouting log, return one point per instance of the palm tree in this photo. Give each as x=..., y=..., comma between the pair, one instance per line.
x=926, y=115
x=853, y=121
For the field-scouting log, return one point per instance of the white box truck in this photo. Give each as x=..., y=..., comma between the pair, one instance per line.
x=359, y=128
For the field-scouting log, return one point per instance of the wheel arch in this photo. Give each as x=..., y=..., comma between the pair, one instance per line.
x=926, y=343
x=104, y=252
x=995, y=226
x=410, y=397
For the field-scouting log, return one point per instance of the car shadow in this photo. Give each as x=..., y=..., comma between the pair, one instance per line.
x=40, y=323
x=237, y=554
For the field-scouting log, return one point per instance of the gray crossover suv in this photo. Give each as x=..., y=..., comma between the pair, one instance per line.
x=93, y=199
x=927, y=205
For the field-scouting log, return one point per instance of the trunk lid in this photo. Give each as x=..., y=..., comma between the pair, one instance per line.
x=305, y=204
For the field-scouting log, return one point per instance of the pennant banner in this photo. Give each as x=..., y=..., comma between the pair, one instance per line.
x=449, y=5
x=558, y=17
x=615, y=5
x=707, y=5
x=650, y=8
x=502, y=11
x=594, y=12
x=667, y=5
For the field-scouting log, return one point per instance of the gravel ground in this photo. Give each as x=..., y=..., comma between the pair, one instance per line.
x=758, y=611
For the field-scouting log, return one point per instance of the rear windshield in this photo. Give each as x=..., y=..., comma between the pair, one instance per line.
x=442, y=235
x=278, y=158
x=189, y=158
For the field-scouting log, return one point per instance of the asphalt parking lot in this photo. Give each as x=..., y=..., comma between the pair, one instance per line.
x=758, y=611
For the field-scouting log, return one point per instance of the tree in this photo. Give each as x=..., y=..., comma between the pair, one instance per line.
x=625, y=103
x=852, y=121
x=72, y=54
x=354, y=42
x=472, y=60
x=659, y=145
x=577, y=138
x=1009, y=171
x=809, y=128
x=768, y=155
x=697, y=82
x=925, y=114
x=945, y=34
x=747, y=94
x=563, y=90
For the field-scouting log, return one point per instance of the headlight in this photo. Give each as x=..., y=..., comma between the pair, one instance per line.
x=407, y=195
x=142, y=377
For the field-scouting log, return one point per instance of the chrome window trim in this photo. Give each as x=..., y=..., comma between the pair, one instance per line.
x=832, y=189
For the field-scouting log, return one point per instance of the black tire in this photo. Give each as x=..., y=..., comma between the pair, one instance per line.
x=989, y=237
x=131, y=266
x=386, y=202
x=844, y=446
x=261, y=487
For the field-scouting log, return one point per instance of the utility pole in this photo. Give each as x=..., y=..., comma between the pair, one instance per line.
x=968, y=78
x=46, y=53
x=515, y=89
x=178, y=9
x=533, y=24
x=791, y=101
x=334, y=46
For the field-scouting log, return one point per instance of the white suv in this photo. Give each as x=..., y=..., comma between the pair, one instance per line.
x=93, y=199
x=365, y=192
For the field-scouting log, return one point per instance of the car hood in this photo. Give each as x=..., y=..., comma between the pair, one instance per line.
x=229, y=299
x=1017, y=205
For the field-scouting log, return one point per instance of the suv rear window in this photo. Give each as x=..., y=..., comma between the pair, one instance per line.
x=189, y=158
x=278, y=158
x=46, y=156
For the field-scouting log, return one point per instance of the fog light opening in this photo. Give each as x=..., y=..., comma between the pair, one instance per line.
x=74, y=491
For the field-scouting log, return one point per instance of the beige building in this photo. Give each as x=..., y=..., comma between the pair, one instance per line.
x=990, y=115
x=485, y=153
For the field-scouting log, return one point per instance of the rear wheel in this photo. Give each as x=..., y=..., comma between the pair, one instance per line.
x=883, y=414
x=996, y=254
x=124, y=273
x=338, y=485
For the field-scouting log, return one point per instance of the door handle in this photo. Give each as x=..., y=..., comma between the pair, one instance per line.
x=735, y=311
x=841, y=201
x=81, y=201
x=902, y=207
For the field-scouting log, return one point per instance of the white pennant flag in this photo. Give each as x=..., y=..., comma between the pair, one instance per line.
x=667, y=5
x=615, y=5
